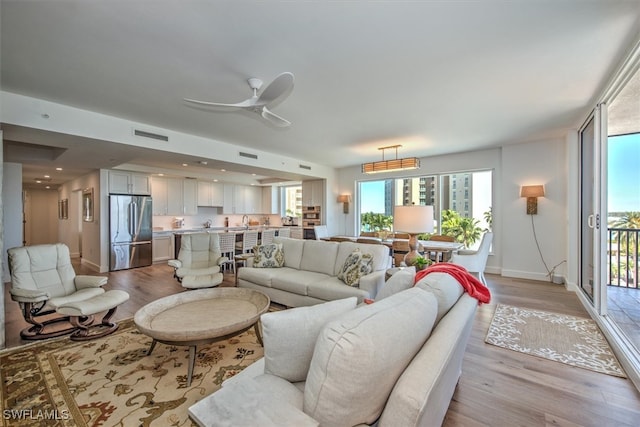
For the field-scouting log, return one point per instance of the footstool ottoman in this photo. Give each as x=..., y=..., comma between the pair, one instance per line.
x=109, y=300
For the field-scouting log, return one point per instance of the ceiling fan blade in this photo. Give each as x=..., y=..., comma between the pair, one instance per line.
x=244, y=104
x=280, y=88
x=274, y=118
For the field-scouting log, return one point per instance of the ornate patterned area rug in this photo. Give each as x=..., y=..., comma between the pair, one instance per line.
x=112, y=382
x=575, y=341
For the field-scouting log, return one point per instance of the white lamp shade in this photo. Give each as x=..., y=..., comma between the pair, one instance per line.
x=413, y=219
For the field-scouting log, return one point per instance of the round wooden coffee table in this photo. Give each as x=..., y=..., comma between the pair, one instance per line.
x=201, y=316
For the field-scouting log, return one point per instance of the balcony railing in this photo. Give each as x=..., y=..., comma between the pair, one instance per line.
x=623, y=249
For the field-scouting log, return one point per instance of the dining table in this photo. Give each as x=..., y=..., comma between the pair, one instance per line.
x=439, y=247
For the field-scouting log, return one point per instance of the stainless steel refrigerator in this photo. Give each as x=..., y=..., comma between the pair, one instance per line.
x=130, y=231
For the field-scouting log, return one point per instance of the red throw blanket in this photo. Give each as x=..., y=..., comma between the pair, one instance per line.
x=473, y=286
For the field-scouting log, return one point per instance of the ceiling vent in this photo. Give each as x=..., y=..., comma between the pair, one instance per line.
x=248, y=155
x=305, y=167
x=151, y=135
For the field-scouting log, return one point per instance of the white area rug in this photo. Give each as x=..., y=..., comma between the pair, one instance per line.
x=575, y=341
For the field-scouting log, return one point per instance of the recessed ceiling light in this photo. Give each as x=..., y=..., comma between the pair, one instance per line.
x=47, y=176
x=215, y=180
x=223, y=170
x=38, y=181
x=58, y=169
x=160, y=174
x=253, y=174
x=184, y=164
x=47, y=187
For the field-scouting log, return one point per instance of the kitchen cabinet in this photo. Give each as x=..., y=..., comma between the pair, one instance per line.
x=271, y=200
x=190, y=196
x=123, y=182
x=313, y=192
x=174, y=196
x=210, y=194
x=162, y=248
x=159, y=195
x=242, y=199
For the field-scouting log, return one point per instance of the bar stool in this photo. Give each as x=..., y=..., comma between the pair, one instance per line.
x=267, y=236
x=249, y=240
x=284, y=232
x=227, y=248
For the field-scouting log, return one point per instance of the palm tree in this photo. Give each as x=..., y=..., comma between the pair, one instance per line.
x=627, y=240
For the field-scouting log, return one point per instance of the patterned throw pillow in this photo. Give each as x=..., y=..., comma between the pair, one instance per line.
x=355, y=266
x=268, y=256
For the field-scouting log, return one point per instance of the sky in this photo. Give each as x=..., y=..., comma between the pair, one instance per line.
x=372, y=199
x=624, y=173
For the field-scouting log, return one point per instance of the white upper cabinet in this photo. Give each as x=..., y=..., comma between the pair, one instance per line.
x=313, y=192
x=123, y=182
x=210, y=194
x=159, y=195
x=242, y=199
x=271, y=200
x=190, y=196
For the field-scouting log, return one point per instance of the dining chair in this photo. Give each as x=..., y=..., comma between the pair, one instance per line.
x=475, y=261
x=267, y=236
x=399, y=248
x=321, y=231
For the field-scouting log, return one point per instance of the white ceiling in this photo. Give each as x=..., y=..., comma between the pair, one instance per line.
x=438, y=77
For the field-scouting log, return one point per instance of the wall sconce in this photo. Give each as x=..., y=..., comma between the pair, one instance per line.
x=532, y=192
x=345, y=199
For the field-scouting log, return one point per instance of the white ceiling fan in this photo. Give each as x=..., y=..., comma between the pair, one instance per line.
x=277, y=90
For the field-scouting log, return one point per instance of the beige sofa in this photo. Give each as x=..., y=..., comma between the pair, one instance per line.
x=395, y=362
x=309, y=274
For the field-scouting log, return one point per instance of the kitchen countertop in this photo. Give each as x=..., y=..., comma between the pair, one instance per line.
x=225, y=229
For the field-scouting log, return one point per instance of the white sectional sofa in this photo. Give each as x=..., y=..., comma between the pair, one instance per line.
x=395, y=362
x=310, y=270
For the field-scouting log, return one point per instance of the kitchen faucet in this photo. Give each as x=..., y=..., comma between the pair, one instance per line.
x=245, y=221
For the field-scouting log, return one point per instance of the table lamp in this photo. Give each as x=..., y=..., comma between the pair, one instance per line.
x=413, y=219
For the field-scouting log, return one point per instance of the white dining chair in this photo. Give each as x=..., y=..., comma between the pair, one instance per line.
x=475, y=261
x=320, y=231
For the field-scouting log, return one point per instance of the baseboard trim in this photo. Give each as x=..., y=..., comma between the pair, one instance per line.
x=90, y=265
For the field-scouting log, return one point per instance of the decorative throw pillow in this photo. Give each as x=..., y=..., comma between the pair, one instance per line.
x=268, y=256
x=355, y=266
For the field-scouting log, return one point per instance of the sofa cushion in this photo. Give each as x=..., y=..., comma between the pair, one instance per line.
x=446, y=289
x=292, y=249
x=290, y=335
x=296, y=281
x=380, y=255
x=268, y=256
x=356, y=265
x=400, y=281
x=319, y=256
x=358, y=357
x=330, y=288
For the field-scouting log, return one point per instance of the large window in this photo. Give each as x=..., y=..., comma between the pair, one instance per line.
x=291, y=198
x=460, y=195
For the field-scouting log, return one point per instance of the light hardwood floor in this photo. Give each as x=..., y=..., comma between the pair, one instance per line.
x=498, y=387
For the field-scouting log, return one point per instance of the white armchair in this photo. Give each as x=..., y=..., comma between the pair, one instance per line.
x=475, y=261
x=43, y=281
x=199, y=261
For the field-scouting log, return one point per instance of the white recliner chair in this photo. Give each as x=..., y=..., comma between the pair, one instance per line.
x=44, y=283
x=475, y=261
x=199, y=261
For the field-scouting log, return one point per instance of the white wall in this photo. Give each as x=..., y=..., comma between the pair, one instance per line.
x=12, y=211
x=542, y=162
x=85, y=236
x=2, y=333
